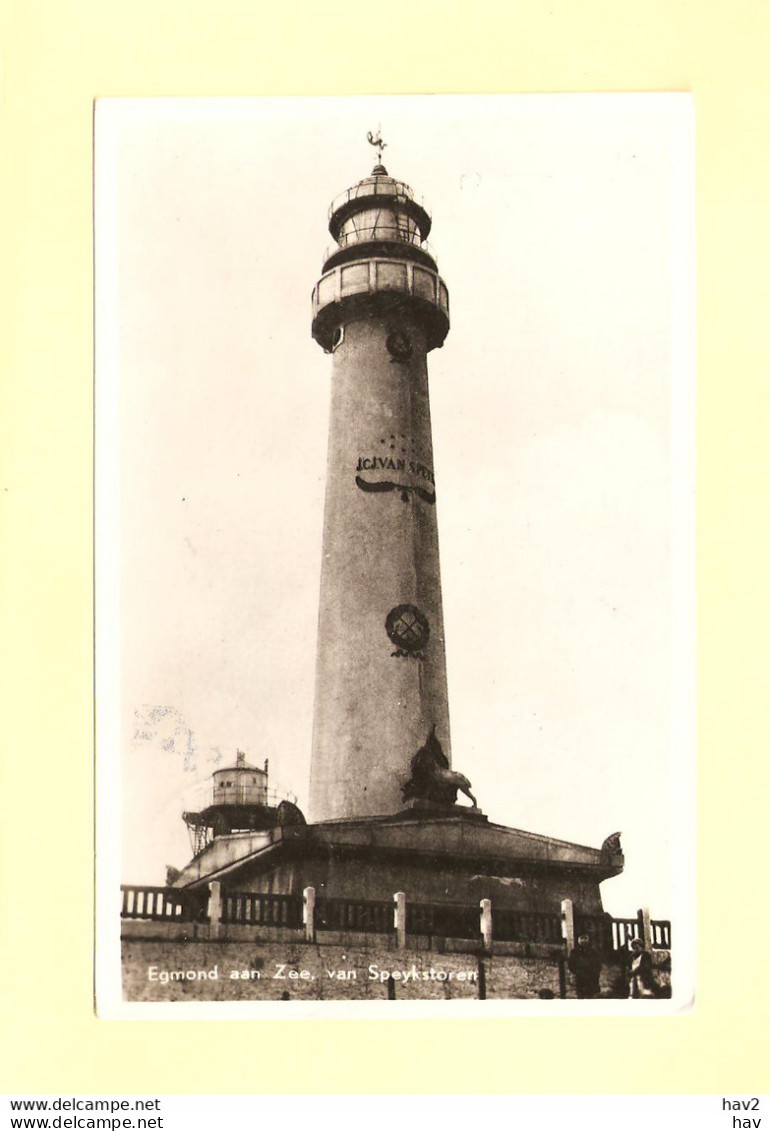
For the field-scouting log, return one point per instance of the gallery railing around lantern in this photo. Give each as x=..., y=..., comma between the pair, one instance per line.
x=370, y=278
x=383, y=233
x=374, y=187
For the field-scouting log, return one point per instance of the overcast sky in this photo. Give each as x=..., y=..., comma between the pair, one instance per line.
x=556, y=229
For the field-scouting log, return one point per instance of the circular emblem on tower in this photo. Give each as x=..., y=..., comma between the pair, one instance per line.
x=399, y=345
x=408, y=629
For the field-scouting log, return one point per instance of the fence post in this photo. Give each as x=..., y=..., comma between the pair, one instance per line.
x=214, y=909
x=308, y=913
x=645, y=927
x=486, y=922
x=400, y=919
x=568, y=924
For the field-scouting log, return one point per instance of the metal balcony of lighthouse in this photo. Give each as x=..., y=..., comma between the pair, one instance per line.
x=379, y=184
x=381, y=258
x=379, y=232
x=380, y=211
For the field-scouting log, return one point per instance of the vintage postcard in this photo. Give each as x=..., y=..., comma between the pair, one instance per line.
x=394, y=556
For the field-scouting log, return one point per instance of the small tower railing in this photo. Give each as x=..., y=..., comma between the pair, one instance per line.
x=241, y=796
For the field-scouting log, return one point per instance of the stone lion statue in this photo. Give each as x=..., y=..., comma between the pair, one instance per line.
x=432, y=779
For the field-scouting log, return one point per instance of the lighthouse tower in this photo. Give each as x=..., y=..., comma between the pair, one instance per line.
x=379, y=308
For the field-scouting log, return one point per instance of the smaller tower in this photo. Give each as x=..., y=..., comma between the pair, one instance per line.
x=240, y=802
x=240, y=785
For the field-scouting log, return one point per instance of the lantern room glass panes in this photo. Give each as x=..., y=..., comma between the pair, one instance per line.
x=379, y=224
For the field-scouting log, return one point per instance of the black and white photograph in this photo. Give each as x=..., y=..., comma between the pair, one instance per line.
x=394, y=529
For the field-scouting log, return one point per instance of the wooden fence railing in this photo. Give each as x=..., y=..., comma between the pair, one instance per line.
x=616, y=934
x=163, y=904
x=623, y=930
x=439, y=920
x=597, y=927
x=661, y=934
x=527, y=926
x=366, y=915
x=257, y=910
x=443, y=920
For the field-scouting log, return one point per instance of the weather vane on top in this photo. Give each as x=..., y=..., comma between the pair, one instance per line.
x=376, y=139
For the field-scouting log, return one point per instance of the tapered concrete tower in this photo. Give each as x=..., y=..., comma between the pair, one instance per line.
x=379, y=308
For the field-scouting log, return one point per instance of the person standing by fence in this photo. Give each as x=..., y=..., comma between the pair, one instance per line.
x=641, y=981
x=585, y=965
